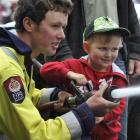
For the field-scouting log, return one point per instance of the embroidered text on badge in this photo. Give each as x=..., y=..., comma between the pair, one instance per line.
x=15, y=89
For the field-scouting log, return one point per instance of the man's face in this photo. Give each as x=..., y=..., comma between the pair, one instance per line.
x=46, y=37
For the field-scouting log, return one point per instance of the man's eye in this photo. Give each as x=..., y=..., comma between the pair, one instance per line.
x=59, y=27
x=56, y=26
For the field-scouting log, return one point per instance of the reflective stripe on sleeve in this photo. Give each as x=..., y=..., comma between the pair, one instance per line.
x=3, y=137
x=46, y=94
x=73, y=125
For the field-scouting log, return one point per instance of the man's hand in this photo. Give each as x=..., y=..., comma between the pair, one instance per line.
x=98, y=104
x=79, y=78
x=134, y=67
x=59, y=106
x=98, y=119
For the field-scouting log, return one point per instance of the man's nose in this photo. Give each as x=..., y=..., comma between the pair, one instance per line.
x=61, y=34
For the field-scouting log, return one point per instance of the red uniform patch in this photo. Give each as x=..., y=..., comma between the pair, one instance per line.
x=15, y=89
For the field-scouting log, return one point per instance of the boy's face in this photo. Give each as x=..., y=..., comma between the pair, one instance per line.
x=46, y=37
x=102, y=54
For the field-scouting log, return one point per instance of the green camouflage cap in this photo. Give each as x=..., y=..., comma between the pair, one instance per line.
x=104, y=24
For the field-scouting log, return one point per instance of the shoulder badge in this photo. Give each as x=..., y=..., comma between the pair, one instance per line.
x=15, y=89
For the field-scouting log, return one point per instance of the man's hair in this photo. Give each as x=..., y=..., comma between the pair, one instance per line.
x=36, y=10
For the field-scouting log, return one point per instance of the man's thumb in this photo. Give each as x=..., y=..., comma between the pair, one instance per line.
x=102, y=88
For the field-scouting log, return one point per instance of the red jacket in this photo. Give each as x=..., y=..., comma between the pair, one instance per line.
x=55, y=72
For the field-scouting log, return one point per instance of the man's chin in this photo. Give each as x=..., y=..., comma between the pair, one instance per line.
x=51, y=53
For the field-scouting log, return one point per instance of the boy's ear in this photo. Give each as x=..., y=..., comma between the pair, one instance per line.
x=86, y=46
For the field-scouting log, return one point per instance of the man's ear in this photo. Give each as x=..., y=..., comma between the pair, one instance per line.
x=86, y=46
x=28, y=24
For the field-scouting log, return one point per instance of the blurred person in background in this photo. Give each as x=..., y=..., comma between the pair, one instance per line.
x=137, y=7
x=7, y=8
x=134, y=103
x=6, y=11
x=1, y=10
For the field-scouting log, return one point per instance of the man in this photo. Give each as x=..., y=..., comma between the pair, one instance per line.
x=39, y=29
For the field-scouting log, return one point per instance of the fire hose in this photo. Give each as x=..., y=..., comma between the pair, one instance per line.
x=112, y=93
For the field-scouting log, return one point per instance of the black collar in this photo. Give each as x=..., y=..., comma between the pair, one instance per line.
x=9, y=39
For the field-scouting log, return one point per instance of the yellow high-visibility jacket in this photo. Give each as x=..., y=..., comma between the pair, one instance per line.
x=19, y=117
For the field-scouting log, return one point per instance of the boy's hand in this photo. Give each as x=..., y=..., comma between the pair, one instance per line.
x=79, y=78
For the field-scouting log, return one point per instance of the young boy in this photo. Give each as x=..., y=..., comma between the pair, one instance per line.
x=102, y=41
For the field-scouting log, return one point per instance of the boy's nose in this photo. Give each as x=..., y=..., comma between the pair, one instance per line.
x=108, y=53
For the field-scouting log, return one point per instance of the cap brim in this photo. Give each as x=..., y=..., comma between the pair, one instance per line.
x=123, y=31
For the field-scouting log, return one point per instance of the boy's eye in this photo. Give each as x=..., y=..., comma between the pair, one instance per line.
x=103, y=49
x=115, y=49
x=106, y=49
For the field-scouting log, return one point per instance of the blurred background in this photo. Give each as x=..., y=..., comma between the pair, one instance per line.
x=7, y=8
x=137, y=7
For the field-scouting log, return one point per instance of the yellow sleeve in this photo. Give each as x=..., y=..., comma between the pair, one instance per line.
x=38, y=96
x=19, y=118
